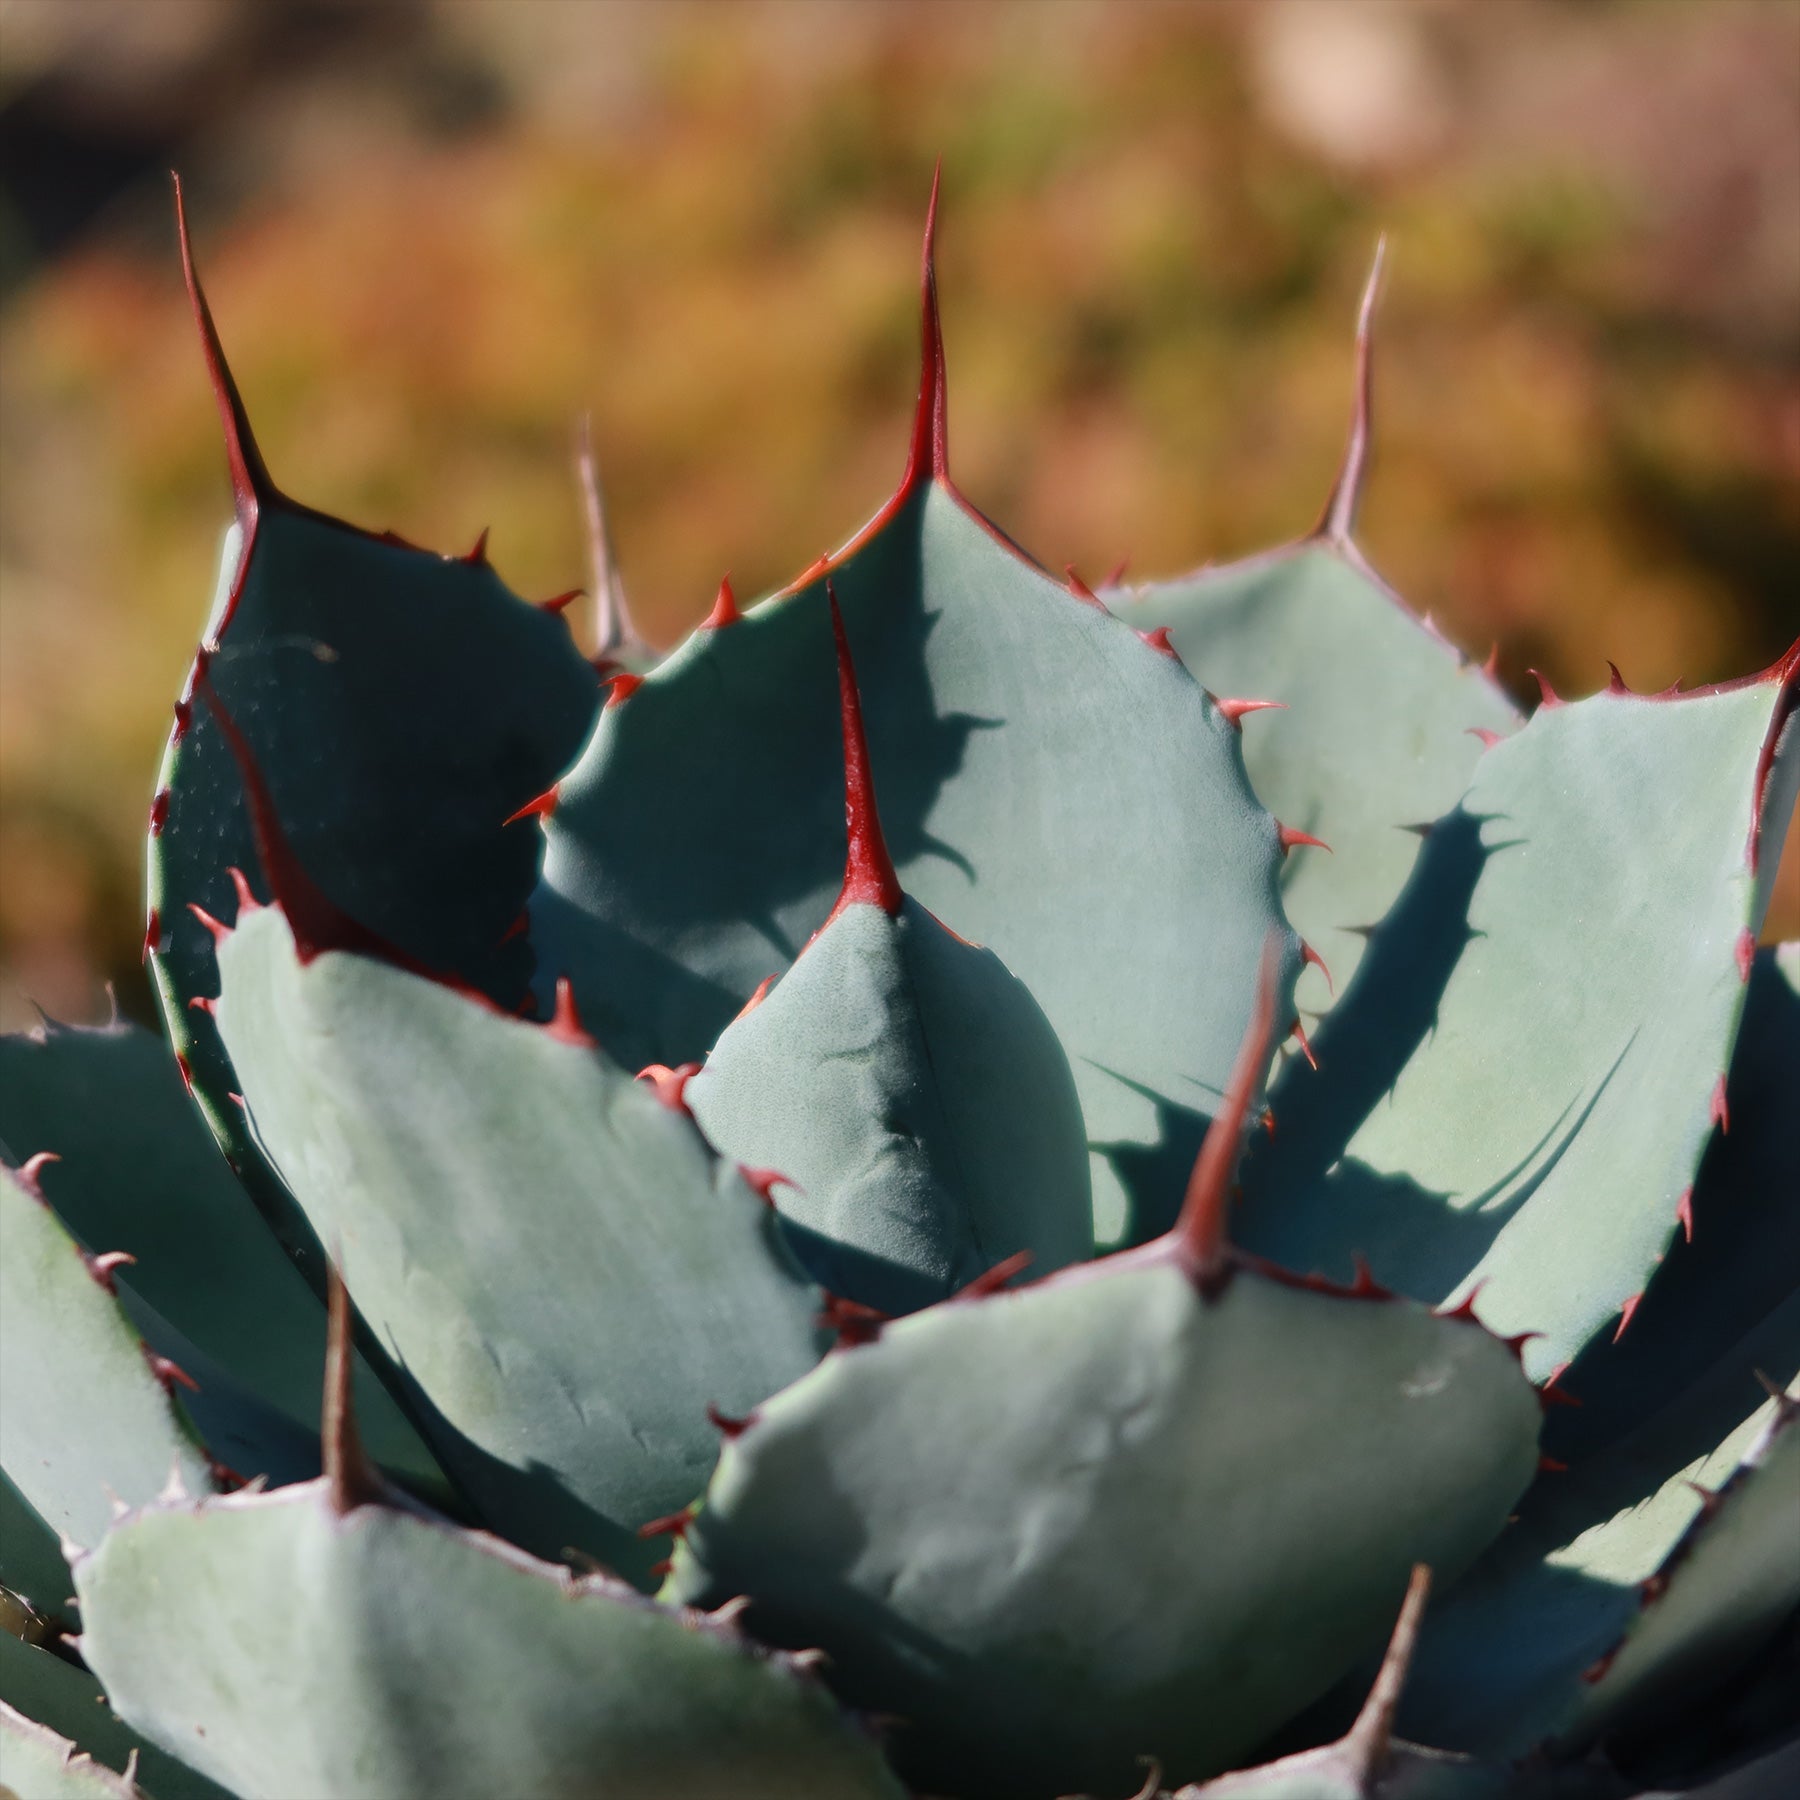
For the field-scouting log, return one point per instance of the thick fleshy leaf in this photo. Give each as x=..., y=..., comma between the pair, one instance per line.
x=31, y=1561
x=375, y=1655
x=1516, y=1089
x=36, y=1764
x=59, y=1740
x=919, y=1104
x=1383, y=717
x=1721, y=1592
x=1059, y=1527
x=1726, y=1300
x=1378, y=735
x=1560, y=1631
x=84, y=1418
x=400, y=705
x=139, y=1173
x=1052, y=786
x=556, y=1259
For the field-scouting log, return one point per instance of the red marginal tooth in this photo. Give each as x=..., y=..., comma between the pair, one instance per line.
x=994, y=1279
x=726, y=1425
x=852, y=1321
x=205, y=1003
x=152, y=933
x=1082, y=591
x=170, y=1374
x=673, y=1525
x=757, y=998
x=520, y=925
x=1720, y=1112
x=1684, y=1211
x=564, y=1023
x=183, y=1069
x=623, y=685
x=1616, y=685
x=1234, y=710
x=1465, y=1307
x=1158, y=640
x=1309, y=955
x=1289, y=838
x=1116, y=573
x=670, y=1084
x=159, y=811
x=1548, y=695
x=1745, y=952
x=540, y=808
x=246, y=899
x=763, y=1182
x=104, y=1266
x=560, y=603
x=1297, y=1032
x=724, y=609
x=1491, y=667
x=1488, y=738
x=184, y=717
x=33, y=1166
x=218, y=931
x=478, y=550
x=1548, y=1465
x=1626, y=1313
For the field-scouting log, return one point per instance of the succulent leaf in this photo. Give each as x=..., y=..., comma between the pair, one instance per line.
x=400, y=704
x=1516, y=1090
x=59, y=1740
x=558, y=1261
x=84, y=1417
x=378, y=1655
x=1536, y=1644
x=1064, y=794
x=1384, y=719
x=153, y=1185
x=37, y=1764
x=909, y=1090
x=31, y=1561
x=1726, y=1301
x=1040, y=1525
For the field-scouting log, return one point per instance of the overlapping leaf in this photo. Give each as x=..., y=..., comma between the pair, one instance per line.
x=1061, y=791
x=288, y=1648
x=565, y=1271
x=1518, y=1086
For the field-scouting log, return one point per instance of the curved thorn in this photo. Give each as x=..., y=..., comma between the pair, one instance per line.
x=33, y=1167
x=623, y=684
x=1309, y=955
x=724, y=609
x=1337, y=523
x=477, y=556
x=250, y=483
x=1297, y=1032
x=1158, y=640
x=1290, y=838
x=1198, y=1236
x=564, y=1023
x=869, y=875
x=350, y=1478
x=1548, y=695
x=560, y=603
x=1488, y=738
x=217, y=929
x=539, y=808
x=240, y=885
x=1234, y=710
x=1082, y=591
x=1616, y=682
x=104, y=1266
x=1684, y=1213
x=670, y=1084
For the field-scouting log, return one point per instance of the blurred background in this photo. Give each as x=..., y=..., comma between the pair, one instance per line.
x=435, y=232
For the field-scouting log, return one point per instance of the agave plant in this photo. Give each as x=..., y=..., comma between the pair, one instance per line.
x=848, y=1321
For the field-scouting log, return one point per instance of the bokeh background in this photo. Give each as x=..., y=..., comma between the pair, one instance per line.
x=435, y=232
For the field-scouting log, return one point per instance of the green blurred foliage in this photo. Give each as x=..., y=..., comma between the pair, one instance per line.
x=441, y=234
